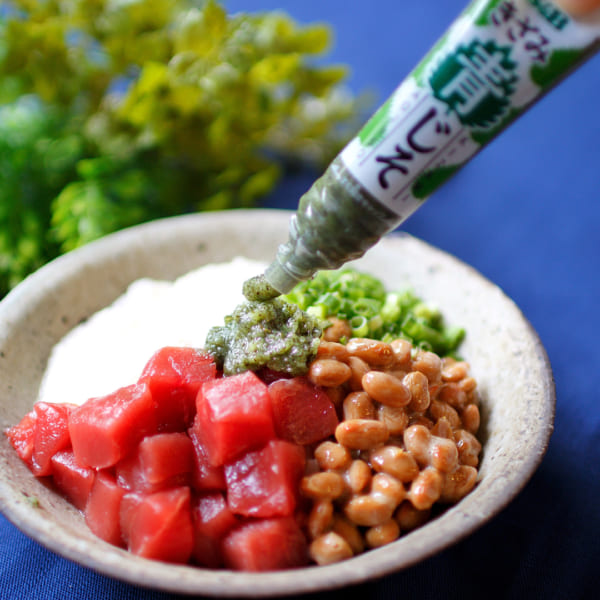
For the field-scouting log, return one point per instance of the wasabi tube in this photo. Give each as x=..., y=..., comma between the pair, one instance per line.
x=496, y=60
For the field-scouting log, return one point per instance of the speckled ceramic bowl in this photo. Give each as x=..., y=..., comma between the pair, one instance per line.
x=505, y=354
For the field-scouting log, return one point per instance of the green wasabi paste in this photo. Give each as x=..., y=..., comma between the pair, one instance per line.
x=258, y=288
x=272, y=333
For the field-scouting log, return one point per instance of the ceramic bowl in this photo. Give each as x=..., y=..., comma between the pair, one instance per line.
x=505, y=354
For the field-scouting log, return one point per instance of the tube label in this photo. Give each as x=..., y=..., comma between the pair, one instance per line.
x=496, y=59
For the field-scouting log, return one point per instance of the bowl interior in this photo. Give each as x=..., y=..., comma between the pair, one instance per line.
x=504, y=352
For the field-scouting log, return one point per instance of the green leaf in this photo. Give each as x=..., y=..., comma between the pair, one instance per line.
x=124, y=111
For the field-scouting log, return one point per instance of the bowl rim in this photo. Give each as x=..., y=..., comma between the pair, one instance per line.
x=117, y=564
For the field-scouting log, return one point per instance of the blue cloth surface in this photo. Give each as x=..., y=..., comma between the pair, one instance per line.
x=526, y=214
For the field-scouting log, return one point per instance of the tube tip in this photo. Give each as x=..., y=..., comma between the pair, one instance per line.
x=279, y=278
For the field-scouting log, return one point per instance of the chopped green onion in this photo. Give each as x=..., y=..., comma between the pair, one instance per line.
x=392, y=308
x=361, y=299
x=359, y=326
x=375, y=324
x=454, y=336
x=424, y=345
x=421, y=332
x=367, y=307
x=427, y=313
x=318, y=311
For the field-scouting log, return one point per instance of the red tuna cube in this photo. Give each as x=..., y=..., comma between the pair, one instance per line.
x=51, y=435
x=302, y=412
x=102, y=511
x=264, y=483
x=129, y=504
x=21, y=435
x=266, y=545
x=107, y=428
x=212, y=520
x=160, y=461
x=73, y=480
x=205, y=476
x=234, y=415
x=174, y=375
x=161, y=526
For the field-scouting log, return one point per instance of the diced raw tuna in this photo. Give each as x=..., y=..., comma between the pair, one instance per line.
x=21, y=437
x=212, y=520
x=161, y=526
x=205, y=476
x=102, y=511
x=131, y=459
x=264, y=483
x=73, y=480
x=302, y=412
x=266, y=545
x=160, y=461
x=234, y=415
x=129, y=505
x=174, y=375
x=51, y=435
x=106, y=429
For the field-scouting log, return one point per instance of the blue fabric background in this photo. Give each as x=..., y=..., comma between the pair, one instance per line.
x=525, y=213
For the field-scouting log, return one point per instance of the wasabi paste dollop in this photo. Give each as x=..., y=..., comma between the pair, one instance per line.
x=273, y=333
x=258, y=288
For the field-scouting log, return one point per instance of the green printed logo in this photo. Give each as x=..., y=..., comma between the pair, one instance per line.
x=555, y=17
x=476, y=82
x=374, y=131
